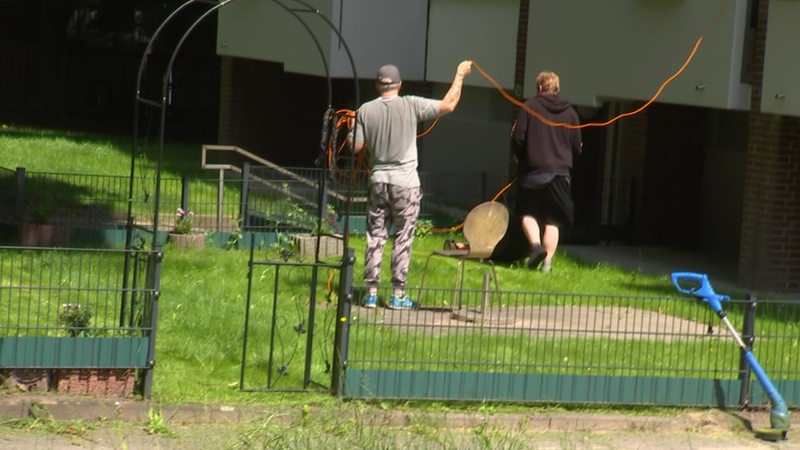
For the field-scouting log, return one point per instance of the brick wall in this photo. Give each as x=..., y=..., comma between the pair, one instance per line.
x=271, y=113
x=757, y=58
x=770, y=239
x=247, y=117
x=770, y=242
x=522, y=48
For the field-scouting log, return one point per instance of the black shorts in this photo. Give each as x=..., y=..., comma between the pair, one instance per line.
x=550, y=204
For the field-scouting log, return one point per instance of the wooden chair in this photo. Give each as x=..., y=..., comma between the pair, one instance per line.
x=484, y=227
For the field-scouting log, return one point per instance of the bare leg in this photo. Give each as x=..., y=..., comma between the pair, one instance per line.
x=531, y=228
x=550, y=240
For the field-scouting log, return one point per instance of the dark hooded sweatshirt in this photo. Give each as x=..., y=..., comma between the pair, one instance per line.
x=544, y=151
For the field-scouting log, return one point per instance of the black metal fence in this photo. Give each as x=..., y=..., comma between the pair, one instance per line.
x=283, y=199
x=288, y=335
x=462, y=344
x=550, y=347
x=78, y=308
x=288, y=198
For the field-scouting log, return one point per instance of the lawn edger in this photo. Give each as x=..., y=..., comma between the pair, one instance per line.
x=698, y=285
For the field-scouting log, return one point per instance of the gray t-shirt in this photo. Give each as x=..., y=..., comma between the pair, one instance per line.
x=388, y=126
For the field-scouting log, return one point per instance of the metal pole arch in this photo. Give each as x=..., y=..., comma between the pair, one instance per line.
x=162, y=104
x=165, y=79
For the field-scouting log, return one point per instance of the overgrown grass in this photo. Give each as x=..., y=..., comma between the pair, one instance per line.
x=357, y=425
x=66, y=151
x=106, y=160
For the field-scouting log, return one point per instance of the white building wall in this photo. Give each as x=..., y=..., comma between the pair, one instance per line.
x=259, y=29
x=376, y=33
x=609, y=50
x=603, y=50
x=781, y=84
x=482, y=31
x=626, y=49
x=475, y=137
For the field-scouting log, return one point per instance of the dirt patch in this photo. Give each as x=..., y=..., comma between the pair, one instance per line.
x=235, y=426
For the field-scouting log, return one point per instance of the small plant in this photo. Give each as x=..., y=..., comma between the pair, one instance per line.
x=423, y=228
x=75, y=318
x=184, y=222
x=156, y=424
x=329, y=223
x=42, y=422
x=301, y=217
x=235, y=237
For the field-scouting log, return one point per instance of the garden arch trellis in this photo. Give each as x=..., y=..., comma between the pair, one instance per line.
x=295, y=8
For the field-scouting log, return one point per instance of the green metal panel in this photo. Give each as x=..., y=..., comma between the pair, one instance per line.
x=357, y=224
x=262, y=239
x=541, y=388
x=789, y=390
x=73, y=352
x=99, y=237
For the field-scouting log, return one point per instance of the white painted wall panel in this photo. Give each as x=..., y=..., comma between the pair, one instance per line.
x=382, y=32
x=475, y=137
x=376, y=32
x=480, y=30
x=260, y=29
x=781, y=86
x=625, y=50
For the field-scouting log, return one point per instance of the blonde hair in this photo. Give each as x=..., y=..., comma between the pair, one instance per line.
x=548, y=83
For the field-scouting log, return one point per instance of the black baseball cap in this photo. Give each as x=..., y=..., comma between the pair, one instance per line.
x=389, y=74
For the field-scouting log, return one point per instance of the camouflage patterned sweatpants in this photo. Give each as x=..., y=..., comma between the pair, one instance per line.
x=390, y=206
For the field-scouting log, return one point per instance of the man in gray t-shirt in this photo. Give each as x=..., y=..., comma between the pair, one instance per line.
x=387, y=128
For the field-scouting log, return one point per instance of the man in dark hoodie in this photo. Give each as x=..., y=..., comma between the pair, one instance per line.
x=544, y=156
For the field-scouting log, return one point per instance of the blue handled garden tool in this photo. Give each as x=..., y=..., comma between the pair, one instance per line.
x=698, y=285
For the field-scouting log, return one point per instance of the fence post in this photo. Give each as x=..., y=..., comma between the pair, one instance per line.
x=341, y=335
x=485, y=300
x=245, y=193
x=322, y=207
x=220, y=199
x=185, y=193
x=748, y=337
x=19, y=196
x=154, y=284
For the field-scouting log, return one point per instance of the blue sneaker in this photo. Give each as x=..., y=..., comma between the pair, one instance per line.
x=403, y=302
x=371, y=301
